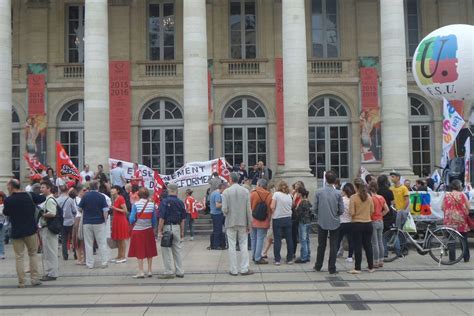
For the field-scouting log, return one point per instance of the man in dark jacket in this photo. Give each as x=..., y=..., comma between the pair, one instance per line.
x=20, y=207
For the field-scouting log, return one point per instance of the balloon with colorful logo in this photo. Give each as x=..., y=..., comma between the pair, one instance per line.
x=443, y=63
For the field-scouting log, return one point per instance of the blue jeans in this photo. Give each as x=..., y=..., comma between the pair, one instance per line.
x=258, y=237
x=282, y=229
x=303, y=233
x=217, y=225
x=2, y=240
x=189, y=223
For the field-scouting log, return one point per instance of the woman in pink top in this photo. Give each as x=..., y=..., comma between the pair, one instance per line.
x=380, y=209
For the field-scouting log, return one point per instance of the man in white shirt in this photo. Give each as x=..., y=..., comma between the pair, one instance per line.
x=86, y=172
x=117, y=176
x=48, y=239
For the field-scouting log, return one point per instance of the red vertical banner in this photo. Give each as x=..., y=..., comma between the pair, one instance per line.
x=370, y=121
x=36, y=86
x=120, y=110
x=209, y=100
x=280, y=115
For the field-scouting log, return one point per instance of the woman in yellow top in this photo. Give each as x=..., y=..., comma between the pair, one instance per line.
x=361, y=209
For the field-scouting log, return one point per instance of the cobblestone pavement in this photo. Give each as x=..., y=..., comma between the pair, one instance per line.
x=414, y=285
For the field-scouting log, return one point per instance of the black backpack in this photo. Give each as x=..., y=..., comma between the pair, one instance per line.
x=260, y=212
x=55, y=224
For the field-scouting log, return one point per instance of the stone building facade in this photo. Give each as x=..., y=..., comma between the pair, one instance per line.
x=180, y=50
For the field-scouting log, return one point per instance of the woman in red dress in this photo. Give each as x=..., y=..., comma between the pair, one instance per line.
x=120, y=227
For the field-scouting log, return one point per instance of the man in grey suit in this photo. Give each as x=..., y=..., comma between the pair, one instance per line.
x=238, y=221
x=328, y=206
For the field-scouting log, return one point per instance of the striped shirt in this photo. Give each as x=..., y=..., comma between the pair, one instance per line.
x=143, y=218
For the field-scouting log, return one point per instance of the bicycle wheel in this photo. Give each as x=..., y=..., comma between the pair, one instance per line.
x=446, y=246
x=395, y=244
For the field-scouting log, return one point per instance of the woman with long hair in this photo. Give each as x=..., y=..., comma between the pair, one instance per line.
x=142, y=241
x=380, y=209
x=119, y=223
x=361, y=209
x=296, y=195
x=345, y=230
x=456, y=212
x=281, y=219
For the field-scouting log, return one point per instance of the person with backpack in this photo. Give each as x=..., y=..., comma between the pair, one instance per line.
x=260, y=203
x=20, y=207
x=49, y=238
x=69, y=208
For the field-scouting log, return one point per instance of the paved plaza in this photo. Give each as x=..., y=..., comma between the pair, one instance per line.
x=414, y=285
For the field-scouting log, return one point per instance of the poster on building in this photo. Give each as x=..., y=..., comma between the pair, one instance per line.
x=36, y=122
x=370, y=116
x=280, y=114
x=120, y=109
x=192, y=174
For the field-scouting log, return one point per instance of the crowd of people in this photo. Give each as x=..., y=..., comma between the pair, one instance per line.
x=250, y=214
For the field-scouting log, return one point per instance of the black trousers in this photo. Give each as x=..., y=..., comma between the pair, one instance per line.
x=66, y=235
x=294, y=234
x=333, y=247
x=346, y=230
x=362, y=235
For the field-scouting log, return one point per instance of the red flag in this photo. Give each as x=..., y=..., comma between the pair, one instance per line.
x=64, y=165
x=222, y=169
x=158, y=188
x=35, y=165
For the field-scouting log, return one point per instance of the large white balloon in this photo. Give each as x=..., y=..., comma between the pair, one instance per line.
x=443, y=63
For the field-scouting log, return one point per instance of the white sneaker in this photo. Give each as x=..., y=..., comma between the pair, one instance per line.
x=349, y=259
x=121, y=261
x=192, y=238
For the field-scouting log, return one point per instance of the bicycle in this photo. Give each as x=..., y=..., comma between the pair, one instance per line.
x=445, y=245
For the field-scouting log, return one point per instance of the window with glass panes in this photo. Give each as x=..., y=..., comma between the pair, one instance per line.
x=245, y=132
x=71, y=131
x=243, y=29
x=15, y=144
x=421, y=138
x=412, y=26
x=162, y=145
x=161, y=30
x=75, y=33
x=329, y=137
x=324, y=28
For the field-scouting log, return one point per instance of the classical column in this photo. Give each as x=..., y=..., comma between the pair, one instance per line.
x=196, y=135
x=395, y=134
x=295, y=90
x=5, y=93
x=96, y=83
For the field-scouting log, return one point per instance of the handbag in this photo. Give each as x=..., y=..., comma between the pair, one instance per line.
x=80, y=230
x=167, y=239
x=112, y=243
x=409, y=226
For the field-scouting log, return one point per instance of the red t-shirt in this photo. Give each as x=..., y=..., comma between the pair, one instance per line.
x=138, y=179
x=190, y=204
x=379, y=203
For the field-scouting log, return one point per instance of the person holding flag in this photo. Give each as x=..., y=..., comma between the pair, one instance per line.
x=137, y=178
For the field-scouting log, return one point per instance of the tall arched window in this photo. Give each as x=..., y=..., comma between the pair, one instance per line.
x=71, y=131
x=329, y=135
x=421, y=121
x=245, y=132
x=15, y=144
x=161, y=134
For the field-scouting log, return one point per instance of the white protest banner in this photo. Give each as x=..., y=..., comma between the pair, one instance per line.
x=426, y=206
x=452, y=124
x=192, y=174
